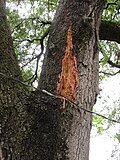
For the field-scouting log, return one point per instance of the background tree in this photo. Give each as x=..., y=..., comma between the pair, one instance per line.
x=37, y=124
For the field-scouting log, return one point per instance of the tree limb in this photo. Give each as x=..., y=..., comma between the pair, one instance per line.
x=113, y=64
x=34, y=77
x=110, y=31
x=109, y=4
x=110, y=74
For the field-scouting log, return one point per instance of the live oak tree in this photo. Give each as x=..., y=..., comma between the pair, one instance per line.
x=45, y=124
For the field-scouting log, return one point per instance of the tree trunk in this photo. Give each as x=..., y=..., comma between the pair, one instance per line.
x=36, y=125
x=13, y=117
x=71, y=67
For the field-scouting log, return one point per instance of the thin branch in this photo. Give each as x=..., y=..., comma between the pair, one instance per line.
x=109, y=4
x=35, y=39
x=113, y=64
x=28, y=40
x=33, y=18
x=32, y=59
x=17, y=25
x=108, y=30
x=77, y=107
x=34, y=77
x=110, y=74
x=37, y=63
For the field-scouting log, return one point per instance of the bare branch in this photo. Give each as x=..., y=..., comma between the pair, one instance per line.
x=32, y=59
x=110, y=74
x=109, y=4
x=40, y=20
x=28, y=40
x=34, y=77
x=113, y=64
x=108, y=30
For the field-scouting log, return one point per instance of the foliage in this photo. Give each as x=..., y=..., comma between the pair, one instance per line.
x=108, y=50
x=111, y=110
x=98, y=122
x=112, y=10
x=115, y=114
x=27, y=30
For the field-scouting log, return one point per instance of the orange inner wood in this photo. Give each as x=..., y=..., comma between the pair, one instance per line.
x=69, y=79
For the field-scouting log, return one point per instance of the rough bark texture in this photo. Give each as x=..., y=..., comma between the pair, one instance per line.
x=83, y=17
x=38, y=126
x=12, y=96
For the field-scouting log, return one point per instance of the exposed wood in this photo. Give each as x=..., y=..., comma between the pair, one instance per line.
x=82, y=20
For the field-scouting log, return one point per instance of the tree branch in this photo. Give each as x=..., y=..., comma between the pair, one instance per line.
x=113, y=64
x=38, y=19
x=110, y=74
x=109, y=4
x=28, y=40
x=34, y=77
x=110, y=31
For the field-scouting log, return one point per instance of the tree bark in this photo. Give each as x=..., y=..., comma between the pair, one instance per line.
x=12, y=96
x=110, y=31
x=37, y=126
x=71, y=67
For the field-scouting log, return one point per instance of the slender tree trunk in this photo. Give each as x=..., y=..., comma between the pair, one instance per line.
x=37, y=126
x=12, y=95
